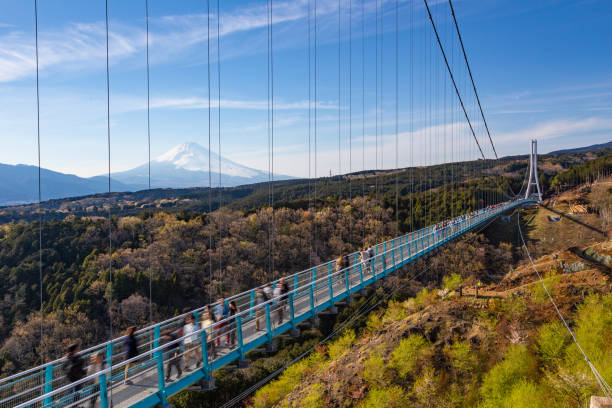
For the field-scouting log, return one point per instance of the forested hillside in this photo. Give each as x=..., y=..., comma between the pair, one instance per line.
x=172, y=247
x=454, y=344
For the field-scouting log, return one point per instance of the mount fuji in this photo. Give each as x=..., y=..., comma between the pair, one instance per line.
x=187, y=165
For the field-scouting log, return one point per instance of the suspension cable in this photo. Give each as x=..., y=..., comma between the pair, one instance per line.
x=110, y=239
x=467, y=64
x=339, y=110
x=148, y=236
x=220, y=217
x=210, y=217
x=350, y=64
x=453, y=78
x=310, y=260
x=396, y=118
x=363, y=98
x=40, y=245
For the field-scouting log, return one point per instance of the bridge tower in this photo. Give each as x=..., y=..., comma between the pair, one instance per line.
x=533, y=171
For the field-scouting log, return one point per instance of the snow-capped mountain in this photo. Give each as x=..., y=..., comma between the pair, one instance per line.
x=187, y=165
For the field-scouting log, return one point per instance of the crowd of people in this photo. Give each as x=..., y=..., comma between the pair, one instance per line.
x=217, y=323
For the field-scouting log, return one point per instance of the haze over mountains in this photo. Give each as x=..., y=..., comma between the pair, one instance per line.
x=183, y=166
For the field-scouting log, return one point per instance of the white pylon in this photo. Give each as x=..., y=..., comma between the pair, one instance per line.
x=533, y=171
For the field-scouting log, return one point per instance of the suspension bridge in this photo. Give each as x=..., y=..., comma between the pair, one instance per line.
x=145, y=381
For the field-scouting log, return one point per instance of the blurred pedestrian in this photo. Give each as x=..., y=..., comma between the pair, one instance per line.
x=96, y=365
x=173, y=354
x=75, y=370
x=130, y=347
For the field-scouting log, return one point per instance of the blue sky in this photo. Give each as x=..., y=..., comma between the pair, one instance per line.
x=542, y=70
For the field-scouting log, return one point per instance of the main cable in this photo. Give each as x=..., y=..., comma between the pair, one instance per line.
x=467, y=64
x=453, y=78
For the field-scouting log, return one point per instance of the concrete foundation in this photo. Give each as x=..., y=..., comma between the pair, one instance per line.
x=601, y=402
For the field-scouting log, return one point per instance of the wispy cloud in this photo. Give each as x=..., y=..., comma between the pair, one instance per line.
x=202, y=103
x=557, y=129
x=74, y=46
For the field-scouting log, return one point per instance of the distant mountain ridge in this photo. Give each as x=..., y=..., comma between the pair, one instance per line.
x=19, y=184
x=183, y=166
x=187, y=165
x=583, y=149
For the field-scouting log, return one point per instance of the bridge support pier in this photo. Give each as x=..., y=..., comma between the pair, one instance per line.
x=243, y=363
x=294, y=333
x=271, y=347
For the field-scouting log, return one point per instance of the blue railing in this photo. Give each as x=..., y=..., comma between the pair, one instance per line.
x=313, y=290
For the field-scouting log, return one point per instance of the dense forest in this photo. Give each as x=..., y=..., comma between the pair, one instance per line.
x=171, y=247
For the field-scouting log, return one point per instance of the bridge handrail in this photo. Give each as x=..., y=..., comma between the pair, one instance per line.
x=40, y=368
x=109, y=369
x=465, y=218
x=325, y=278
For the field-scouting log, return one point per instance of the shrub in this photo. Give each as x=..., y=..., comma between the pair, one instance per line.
x=424, y=387
x=498, y=382
x=374, y=323
x=461, y=356
x=342, y=345
x=452, y=282
x=525, y=394
x=389, y=397
x=551, y=342
x=593, y=330
x=374, y=370
x=395, y=311
x=314, y=398
x=551, y=280
x=406, y=355
x=424, y=298
x=277, y=390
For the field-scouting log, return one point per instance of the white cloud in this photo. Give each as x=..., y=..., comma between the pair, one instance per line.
x=556, y=129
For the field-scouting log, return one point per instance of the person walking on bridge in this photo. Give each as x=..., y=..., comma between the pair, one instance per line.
x=280, y=294
x=97, y=364
x=174, y=355
x=231, y=324
x=130, y=346
x=364, y=256
x=221, y=312
x=208, y=321
x=260, y=299
x=191, y=348
x=75, y=370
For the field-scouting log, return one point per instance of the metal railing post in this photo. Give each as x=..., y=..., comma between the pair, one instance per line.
x=204, y=346
x=252, y=302
x=329, y=283
x=239, y=333
x=361, y=273
x=268, y=323
x=346, y=280
x=292, y=310
x=313, y=310
x=103, y=391
x=48, y=384
x=159, y=358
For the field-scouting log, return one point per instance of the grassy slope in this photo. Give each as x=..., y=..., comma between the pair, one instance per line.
x=513, y=314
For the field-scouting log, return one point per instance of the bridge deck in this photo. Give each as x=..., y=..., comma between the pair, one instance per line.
x=313, y=291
